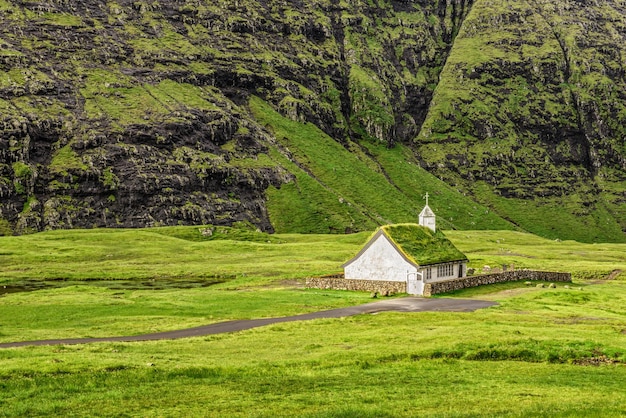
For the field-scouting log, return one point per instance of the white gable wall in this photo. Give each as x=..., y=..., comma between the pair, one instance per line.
x=379, y=261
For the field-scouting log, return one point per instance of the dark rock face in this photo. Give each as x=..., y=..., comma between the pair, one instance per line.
x=533, y=107
x=132, y=113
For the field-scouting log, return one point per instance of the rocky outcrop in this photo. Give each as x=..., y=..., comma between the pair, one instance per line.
x=530, y=117
x=133, y=113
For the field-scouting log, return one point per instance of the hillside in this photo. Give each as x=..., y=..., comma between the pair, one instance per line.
x=530, y=115
x=324, y=116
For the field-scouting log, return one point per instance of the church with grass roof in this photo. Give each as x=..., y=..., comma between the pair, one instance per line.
x=416, y=254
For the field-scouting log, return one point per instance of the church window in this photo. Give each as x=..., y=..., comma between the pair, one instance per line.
x=445, y=270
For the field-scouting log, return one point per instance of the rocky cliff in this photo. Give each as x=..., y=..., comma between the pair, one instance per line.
x=530, y=114
x=138, y=113
x=133, y=113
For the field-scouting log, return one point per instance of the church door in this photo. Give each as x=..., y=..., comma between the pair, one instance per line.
x=414, y=284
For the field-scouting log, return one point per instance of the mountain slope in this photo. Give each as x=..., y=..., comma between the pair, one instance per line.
x=340, y=191
x=530, y=117
x=313, y=116
x=133, y=113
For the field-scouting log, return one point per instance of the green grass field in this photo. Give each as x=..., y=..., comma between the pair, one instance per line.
x=541, y=352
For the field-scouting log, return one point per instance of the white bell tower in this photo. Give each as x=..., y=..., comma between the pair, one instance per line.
x=427, y=216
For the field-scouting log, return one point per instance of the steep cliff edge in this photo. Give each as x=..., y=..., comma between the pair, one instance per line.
x=132, y=113
x=530, y=115
x=136, y=113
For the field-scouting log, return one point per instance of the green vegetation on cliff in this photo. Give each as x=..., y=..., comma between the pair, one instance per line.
x=345, y=186
x=133, y=113
x=529, y=116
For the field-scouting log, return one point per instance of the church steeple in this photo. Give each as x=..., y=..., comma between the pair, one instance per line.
x=427, y=216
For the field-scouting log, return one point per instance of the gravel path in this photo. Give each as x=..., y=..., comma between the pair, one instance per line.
x=407, y=304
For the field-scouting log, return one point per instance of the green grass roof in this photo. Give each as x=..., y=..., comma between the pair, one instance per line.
x=421, y=245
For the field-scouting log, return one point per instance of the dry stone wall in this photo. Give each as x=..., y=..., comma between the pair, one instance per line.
x=338, y=282
x=507, y=276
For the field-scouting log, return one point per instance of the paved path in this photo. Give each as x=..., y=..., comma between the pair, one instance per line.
x=407, y=304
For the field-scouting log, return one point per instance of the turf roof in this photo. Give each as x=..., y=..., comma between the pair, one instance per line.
x=421, y=245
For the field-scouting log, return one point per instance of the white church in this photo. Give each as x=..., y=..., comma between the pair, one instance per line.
x=410, y=253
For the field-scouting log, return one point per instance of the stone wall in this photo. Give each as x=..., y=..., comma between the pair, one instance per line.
x=507, y=276
x=337, y=282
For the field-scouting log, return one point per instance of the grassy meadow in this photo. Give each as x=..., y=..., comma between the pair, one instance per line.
x=540, y=352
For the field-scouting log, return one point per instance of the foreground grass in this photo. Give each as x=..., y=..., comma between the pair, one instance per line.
x=540, y=352
x=530, y=356
x=336, y=389
x=90, y=311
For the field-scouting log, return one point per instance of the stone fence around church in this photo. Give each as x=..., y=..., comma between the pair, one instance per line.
x=338, y=282
x=482, y=279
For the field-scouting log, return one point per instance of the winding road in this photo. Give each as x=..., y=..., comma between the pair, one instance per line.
x=406, y=304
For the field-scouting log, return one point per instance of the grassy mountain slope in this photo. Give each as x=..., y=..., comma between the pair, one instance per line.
x=131, y=113
x=529, y=116
x=341, y=187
